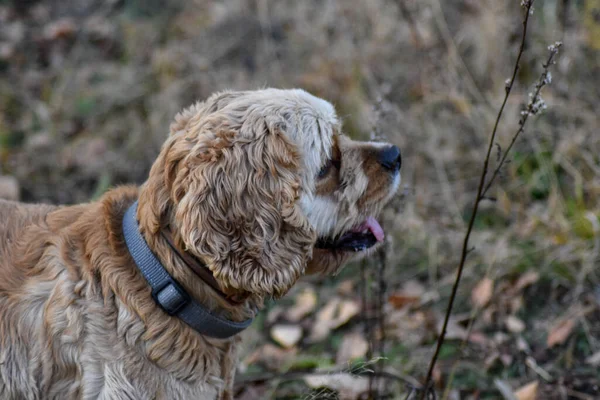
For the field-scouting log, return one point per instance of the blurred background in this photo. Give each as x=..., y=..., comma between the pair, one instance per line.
x=88, y=89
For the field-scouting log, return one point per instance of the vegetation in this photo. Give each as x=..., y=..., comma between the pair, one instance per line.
x=88, y=89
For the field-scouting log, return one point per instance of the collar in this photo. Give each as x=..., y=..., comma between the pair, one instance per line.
x=167, y=292
x=201, y=270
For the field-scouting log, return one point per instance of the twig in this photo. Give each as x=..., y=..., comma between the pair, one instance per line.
x=527, y=4
x=365, y=314
x=381, y=290
x=534, y=105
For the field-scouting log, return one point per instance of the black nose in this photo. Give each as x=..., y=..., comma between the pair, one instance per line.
x=389, y=158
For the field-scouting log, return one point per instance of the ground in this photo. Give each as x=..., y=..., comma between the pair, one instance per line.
x=88, y=89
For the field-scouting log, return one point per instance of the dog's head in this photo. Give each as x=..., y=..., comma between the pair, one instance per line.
x=262, y=186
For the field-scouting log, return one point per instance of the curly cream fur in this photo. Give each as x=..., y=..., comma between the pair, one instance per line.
x=236, y=180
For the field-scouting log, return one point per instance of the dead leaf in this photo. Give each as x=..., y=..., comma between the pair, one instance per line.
x=274, y=314
x=482, y=292
x=527, y=279
x=514, y=324
x=333, y=315
x=347, y=310
x=348, y=386
x=411, y=293
x=286, y=335
x=560, y=332
x=527, y=392
x=274, y=357
x=453, y=331
x=506, y=359
x=594, y=359
x=62, y=28
x=306, y=301
x=328, y=311
x=353, y=346
x=479, y=338
x=400, y=300
x=522, y=345
x=9, y=188
x=505, y=389
x=346, y=287
x=413, y=287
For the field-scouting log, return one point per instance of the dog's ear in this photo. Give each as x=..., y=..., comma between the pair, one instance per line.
x=236, y=203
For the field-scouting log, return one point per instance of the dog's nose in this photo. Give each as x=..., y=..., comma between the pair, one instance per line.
x=389, y=158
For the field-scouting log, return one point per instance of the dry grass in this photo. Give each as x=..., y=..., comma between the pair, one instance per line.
x=87, y=92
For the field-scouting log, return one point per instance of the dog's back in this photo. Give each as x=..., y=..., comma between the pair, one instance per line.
x=15, y=218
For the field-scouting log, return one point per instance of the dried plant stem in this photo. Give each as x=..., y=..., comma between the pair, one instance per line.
x=531, y=109
x=465, y=247
x=379, y=341
x=365, y=314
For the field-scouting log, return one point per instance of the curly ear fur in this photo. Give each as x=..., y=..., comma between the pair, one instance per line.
x=236, y=197
x=230, y=183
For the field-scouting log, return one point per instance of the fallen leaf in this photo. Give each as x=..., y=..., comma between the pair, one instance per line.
x=506, y=359
x=333, y=315
x=514, y=324
x=62, y=28
x=306, y=301
x=274, y=314
x=527, y=279
x=347, y=310
x=274, y=357
x=353, y=346
x=413, y=287
x=560, y=332
x=527, y=392
x=401, y=300
x=522, y=345
x=505, y=389
x=345, y=287
x=501, y=337
x=286, y=335
x=594, y=359
x=482, y=292
x=328, y=311
x=9, y=188
x=348, y=386
x=491, y=359
x=479, y=338
x=453, y=330
x=410, y=293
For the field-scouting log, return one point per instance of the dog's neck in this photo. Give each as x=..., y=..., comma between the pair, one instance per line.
x=234, y=298
x=182, y=267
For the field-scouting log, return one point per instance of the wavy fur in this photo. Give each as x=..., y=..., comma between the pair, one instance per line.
x=236, y=180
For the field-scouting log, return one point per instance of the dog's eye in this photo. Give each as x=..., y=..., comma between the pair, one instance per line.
x=327, y=167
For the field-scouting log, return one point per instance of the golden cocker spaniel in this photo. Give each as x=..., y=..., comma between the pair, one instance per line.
x=142, y=294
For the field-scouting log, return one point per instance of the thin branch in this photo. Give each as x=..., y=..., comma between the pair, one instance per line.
x=534, y=105
x=527, y=5
x=380, y=301
x=365, y=314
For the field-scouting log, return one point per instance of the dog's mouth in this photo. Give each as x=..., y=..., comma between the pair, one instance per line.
x=359, y=238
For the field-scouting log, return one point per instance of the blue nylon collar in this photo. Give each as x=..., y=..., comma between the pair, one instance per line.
x=167, y=292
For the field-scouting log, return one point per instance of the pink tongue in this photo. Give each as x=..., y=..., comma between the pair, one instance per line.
x=376, y=229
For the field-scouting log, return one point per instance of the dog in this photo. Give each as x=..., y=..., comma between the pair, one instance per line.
x=142, y=294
